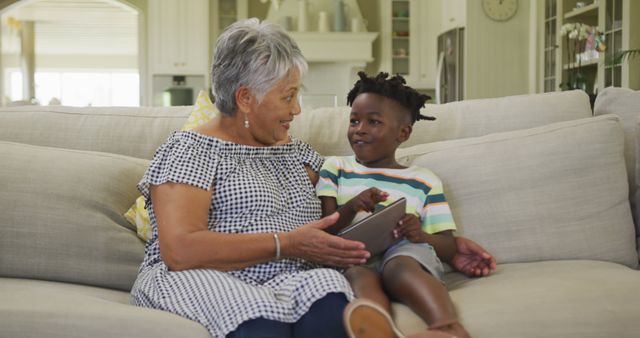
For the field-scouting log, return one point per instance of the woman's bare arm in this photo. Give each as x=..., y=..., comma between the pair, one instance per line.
x=186, y=243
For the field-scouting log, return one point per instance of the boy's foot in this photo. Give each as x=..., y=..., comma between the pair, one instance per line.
x=366, y=319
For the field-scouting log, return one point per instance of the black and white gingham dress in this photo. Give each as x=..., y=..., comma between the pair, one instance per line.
x=256, y=189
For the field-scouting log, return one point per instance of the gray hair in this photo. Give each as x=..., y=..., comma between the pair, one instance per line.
x=253, y=54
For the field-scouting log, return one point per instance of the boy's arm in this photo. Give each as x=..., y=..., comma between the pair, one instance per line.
x=442, y=242
x=329, y=206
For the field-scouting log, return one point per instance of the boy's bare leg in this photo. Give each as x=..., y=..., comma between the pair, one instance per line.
x=366, y=283
x=406, y=280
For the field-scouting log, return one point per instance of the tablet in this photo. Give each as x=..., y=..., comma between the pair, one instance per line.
x=376, y=230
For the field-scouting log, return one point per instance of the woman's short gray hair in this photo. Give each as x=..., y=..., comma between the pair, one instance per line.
x=253, y=54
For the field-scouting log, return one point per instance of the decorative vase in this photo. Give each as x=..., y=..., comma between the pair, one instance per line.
x=302, y=15
x=579, y=81
x=339, y=17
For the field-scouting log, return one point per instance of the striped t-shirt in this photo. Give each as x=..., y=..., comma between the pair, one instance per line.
x=344, y=178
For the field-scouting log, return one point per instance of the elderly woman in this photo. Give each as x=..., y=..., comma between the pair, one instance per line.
x=238, y=244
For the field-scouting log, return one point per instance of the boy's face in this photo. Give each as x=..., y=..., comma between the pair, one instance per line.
x=377, y=126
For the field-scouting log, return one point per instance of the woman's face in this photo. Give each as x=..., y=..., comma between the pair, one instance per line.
x=270, y=119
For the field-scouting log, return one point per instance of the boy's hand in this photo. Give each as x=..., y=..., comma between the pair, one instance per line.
x=472, y=259
x=409, y=227
x=367, y=200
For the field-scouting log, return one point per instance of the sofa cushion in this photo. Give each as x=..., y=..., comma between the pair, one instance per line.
x=546, y=193
x=326, y=128
x=61, y=216
x=569, y=299
x=625, y=103
x=30, y=308
x=131, y=131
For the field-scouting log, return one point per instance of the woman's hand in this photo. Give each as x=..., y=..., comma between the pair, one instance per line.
x=311, y=242
x=472, y=259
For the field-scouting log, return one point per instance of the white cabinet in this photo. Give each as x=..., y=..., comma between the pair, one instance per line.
x=178, y=33
x=226, y=12
x=615, y=19
x=409, y=30
x=453, y=14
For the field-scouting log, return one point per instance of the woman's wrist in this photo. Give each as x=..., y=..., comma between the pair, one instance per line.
x=276, y=240
x=285, y=244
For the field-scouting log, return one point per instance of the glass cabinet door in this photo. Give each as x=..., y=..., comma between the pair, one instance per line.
x=550, y=23
x=613, y=37
x=400, y=39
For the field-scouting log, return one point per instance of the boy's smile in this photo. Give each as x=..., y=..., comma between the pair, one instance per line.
x=377, y=126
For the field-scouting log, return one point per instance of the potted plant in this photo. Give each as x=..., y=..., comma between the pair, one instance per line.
x=583, y=43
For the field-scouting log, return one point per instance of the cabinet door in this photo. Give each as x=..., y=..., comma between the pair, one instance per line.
x=195, y=52
x=162, y=33
x=408, y=33
x=453, y=14
x=178, y=36
x=427, y=34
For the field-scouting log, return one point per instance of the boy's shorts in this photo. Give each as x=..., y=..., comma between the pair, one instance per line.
x=423, y=253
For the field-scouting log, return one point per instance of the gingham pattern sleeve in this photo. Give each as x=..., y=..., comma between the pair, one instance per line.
x=308, y=155
x=181, y=159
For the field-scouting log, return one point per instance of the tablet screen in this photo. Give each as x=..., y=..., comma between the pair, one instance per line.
x=376, y=230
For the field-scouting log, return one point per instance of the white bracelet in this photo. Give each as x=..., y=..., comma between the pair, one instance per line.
x=277, y=239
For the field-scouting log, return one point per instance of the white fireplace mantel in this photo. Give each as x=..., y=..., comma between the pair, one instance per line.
x=334, y=57
x=336, y=46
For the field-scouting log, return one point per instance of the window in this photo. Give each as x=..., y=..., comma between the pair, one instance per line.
x=80, y=87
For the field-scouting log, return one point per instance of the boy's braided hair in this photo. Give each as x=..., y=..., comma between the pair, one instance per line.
x=394, y=88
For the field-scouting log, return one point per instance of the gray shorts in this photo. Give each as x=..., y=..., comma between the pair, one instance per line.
x=423, y=253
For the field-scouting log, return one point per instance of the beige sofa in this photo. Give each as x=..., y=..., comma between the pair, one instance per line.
x=536, y=179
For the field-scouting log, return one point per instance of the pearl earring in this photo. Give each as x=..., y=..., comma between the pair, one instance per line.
x=246, y=121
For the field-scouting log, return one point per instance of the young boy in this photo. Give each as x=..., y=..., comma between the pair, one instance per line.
x=382, y=115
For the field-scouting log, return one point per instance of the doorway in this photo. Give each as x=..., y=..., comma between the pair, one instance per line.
x=83, y=53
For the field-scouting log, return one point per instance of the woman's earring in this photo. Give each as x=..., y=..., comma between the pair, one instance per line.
x=246, y=121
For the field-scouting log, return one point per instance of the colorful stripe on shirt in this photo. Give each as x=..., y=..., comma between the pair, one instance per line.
x=344, y=178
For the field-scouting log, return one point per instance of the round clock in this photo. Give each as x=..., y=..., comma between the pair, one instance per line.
x=500, y=10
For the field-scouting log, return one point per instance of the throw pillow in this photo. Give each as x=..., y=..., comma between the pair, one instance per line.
x=203, y=111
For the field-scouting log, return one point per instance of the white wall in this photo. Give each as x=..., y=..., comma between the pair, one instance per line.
x=497, y=53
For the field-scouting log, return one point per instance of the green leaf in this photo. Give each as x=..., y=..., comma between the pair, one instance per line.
x=623, y=55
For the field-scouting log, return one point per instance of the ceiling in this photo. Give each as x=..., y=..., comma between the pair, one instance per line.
x=74, y=27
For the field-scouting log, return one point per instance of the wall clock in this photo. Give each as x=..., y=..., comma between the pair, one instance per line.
x=500, y=10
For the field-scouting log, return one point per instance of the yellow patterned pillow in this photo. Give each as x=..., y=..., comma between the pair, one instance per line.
x=137, y=215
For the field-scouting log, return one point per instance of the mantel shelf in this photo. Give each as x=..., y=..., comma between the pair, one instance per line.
x=335, y=46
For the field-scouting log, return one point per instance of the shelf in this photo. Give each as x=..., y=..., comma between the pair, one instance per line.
x=401, y=37
x=580, y=11
x=401, y=18
x=590, y=63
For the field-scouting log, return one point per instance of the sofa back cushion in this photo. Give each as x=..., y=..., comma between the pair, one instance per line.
x=131, y=131
x=547, y=193
x=326, y=128
x=625, y=103
x=61, y=216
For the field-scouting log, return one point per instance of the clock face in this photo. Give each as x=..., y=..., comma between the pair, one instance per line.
x=500, y=10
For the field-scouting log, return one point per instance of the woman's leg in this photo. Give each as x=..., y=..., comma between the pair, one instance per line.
x=324, y=318
x=408, y=281
x=262, y=328
x=366, y=283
